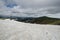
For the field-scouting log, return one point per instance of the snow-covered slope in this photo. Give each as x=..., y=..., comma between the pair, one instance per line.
x=13, y=30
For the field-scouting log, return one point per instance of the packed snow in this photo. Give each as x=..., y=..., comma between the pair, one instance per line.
x=13, y=30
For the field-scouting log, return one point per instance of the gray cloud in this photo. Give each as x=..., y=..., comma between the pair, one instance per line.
x=30, y=8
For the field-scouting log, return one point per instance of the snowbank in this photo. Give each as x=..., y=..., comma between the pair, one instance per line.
x=13, y=30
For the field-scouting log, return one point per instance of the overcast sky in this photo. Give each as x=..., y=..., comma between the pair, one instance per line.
x=30, y=8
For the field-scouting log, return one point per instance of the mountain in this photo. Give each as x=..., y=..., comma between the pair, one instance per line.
x=37, y=20
x=46, y=20
x=41, y=20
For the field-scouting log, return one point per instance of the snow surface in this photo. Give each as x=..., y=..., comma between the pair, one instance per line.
x=13, y=30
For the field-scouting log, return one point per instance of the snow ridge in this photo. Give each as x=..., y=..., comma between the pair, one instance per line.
x=13, y=30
